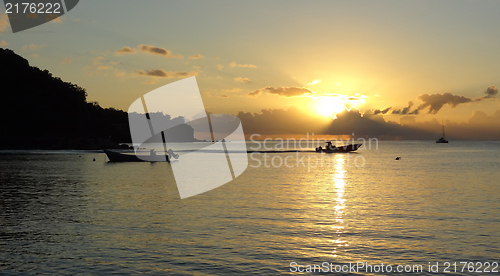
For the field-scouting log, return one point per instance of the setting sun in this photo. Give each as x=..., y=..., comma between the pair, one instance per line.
x=330, y=106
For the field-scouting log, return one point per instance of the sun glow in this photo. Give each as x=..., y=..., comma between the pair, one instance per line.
x=330, y=105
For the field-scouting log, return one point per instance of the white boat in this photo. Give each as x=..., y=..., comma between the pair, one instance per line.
x=329, y=148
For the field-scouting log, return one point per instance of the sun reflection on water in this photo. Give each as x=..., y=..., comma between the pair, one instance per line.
x=339, y=187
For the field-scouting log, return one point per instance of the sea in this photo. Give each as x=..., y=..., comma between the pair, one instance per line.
x=435, y=211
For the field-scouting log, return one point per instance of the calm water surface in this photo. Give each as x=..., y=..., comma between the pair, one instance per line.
x=62, y=213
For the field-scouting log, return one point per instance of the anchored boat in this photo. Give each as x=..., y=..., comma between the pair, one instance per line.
x=442, y=140
x=115, y=156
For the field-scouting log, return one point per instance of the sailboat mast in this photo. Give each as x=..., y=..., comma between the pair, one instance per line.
x=443, y=128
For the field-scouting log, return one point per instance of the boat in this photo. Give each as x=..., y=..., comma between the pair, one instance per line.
x=442, y=140
x=115, y=156
x=330, y=148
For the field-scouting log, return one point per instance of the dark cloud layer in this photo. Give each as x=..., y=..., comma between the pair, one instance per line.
x=293, y=121
x=480, y=126
x=279, y=121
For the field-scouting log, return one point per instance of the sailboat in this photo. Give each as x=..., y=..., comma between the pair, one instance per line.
x=442, y=140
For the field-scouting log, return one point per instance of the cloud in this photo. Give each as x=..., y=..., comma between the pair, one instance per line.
x=196, y=56
x=160, y=73
x=102, y=67
x=220, y=66
x=234, y=64
x=384, y=111
x=480, y=126
x=373, y=127
x=240, y=79
x=36, y=55
x=4, y=23
x=66, y=60
x=314, y=82
x=283, y=91
x=294, y=121
x=3, y=43
x=153, y=50
x=491, y=91
x=436, y=101
x=289, y=91
x=280, y=121
x=255, y=93
x=405, y=110
x=32, y=47
x=231, y=90
x=126, y=50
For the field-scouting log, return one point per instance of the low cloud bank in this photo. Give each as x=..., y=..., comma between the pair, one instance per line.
x=480, y=126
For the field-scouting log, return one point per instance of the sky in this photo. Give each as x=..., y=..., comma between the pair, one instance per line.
x=438, y=59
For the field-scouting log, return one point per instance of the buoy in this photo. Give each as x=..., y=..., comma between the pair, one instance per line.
x=398, y=158
x=94, y=159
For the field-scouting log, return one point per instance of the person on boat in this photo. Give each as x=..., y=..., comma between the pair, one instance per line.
x=329, y=146
x=172, y=154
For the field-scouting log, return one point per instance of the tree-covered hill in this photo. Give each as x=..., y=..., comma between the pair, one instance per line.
x=41, y=111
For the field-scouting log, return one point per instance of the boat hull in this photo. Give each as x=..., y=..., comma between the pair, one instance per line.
x=442, y=141
x=114, y=156
x=347, y=148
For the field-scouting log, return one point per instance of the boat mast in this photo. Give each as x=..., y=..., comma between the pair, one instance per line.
x=443, y=128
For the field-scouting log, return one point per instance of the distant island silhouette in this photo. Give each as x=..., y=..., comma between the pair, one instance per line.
x=41, y=111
